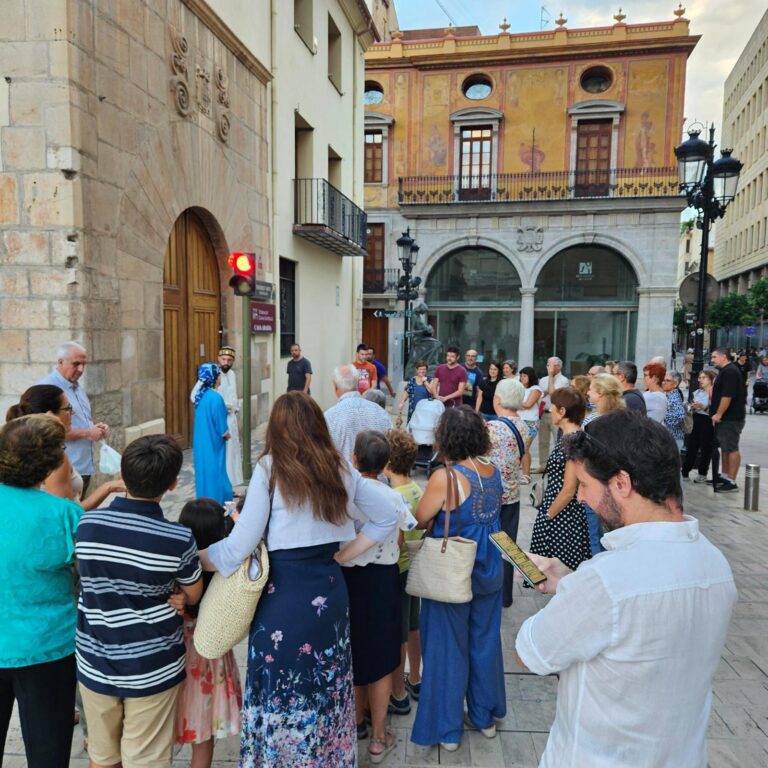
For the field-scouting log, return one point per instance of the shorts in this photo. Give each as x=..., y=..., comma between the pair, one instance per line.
x=727, y=435
x=135, y=731
x=410, y=608
x=533, y=429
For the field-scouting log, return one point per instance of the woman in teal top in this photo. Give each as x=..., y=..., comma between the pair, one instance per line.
x=37, y=643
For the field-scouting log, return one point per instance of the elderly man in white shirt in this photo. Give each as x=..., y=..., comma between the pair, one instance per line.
x=554, y=380
x=352, y=413
x=635, y=633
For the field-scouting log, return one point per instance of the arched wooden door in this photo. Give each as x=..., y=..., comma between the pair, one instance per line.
x=191, y=318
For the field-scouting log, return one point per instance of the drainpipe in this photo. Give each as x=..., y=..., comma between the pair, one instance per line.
x=357, y=285
x=273, y=192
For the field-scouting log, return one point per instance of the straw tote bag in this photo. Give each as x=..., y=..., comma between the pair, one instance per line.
x=441, y=569
x=228, y=605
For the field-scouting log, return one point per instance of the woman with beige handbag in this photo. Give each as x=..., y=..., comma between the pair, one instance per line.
x=298, y=702
x=461, y=641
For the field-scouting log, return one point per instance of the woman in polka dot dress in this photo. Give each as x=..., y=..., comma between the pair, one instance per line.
x=560, y=529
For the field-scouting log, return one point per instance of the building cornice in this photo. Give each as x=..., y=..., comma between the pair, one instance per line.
x=362, y=22
x=560, y=44
x=241, y=51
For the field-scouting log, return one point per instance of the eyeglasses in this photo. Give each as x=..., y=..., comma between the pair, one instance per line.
x=69, y=408
x=582, y=436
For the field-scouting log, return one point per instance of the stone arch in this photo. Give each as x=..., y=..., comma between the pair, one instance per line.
x=179, y=166
x=458, y=243
x=589, y=238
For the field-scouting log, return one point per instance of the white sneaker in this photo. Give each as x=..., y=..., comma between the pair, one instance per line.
x=449, y=746
x=700, y=479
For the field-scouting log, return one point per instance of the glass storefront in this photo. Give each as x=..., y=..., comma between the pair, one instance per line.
x=586, y=309
x=474, y=302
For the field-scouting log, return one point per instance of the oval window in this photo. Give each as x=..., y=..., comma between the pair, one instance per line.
x=374, y=93
x=477, y=87
x=596, y=79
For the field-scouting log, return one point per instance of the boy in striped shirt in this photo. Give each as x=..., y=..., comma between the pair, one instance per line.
x=129, y=643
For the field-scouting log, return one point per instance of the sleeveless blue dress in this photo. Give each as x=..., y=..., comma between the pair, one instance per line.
x=461, y=643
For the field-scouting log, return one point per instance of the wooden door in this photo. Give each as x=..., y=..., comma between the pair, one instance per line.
x=191, y=318
x=376, y=333
x=593, y=158
x=475, y=179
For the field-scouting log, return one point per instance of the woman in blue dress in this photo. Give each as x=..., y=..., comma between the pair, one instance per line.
x=461, y=643
x=209, y=443
x=418, y=388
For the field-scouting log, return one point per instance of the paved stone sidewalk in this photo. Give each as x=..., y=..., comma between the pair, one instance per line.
x=738, y=732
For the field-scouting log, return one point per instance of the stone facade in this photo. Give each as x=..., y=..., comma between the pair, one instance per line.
x=115, y=118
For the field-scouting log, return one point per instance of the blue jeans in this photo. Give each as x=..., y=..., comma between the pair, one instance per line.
x=595, y=532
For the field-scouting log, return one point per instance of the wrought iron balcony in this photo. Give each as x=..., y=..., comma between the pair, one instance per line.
x=380, y=281
x=325, y=216
x=551, y=185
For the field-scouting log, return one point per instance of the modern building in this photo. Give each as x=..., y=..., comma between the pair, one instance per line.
x=741, y=254
x=537, y=174
x=144, y=142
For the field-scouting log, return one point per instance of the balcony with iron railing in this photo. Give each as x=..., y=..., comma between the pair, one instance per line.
x=325, y=216
x=379, y=281
x=542, y=186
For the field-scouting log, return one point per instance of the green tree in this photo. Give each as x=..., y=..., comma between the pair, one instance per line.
x=731, y=310
x=758, y=295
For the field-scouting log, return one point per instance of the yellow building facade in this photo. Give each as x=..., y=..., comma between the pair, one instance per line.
x=537, y=174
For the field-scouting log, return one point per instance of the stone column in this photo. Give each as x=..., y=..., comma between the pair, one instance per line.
x=654, y=323
x=525, y=347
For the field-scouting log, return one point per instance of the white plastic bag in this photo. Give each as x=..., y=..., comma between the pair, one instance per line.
x=109, y=460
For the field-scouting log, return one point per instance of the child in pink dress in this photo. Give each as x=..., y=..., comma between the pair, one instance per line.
x=211, y=696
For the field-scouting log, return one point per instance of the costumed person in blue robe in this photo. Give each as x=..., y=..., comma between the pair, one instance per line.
x=209, y=445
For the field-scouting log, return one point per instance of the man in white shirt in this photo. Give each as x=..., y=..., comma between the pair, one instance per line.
x=554, y=380
x=635, y=633
x=352, y=413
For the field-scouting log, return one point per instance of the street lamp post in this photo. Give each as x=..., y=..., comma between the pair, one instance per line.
x=407, y=286
x=709, y=186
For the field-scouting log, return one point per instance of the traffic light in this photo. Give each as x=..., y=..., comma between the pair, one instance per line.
x=243, y=282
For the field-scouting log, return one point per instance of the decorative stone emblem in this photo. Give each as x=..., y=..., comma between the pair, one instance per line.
x=203, y=77
x=213, y=104
x=180, y=69
x=530, y=239
x=222, y=104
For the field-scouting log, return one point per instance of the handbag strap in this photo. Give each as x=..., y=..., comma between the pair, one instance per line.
x=451, y=503
x=516, y=433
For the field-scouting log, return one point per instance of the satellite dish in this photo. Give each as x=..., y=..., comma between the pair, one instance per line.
x=689, y=291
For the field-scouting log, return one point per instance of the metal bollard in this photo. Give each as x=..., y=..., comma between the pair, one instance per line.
x=751, y=487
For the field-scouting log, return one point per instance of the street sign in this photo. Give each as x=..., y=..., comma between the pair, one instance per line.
x=262, y=318
x=750, y=332
x=393, y=313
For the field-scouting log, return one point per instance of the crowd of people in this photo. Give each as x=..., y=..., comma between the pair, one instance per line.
x=337, y=644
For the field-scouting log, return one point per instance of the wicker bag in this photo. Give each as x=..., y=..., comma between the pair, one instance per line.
x=228, y=605
x=441, y=569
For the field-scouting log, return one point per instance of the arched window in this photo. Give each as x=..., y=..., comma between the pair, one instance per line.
x=473, y=296
x=586, y=309
x=473, y=276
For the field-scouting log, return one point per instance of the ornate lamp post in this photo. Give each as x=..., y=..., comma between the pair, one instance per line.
x=709, y=186
x=407, y=286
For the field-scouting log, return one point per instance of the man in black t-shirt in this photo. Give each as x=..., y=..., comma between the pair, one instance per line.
x=728, y=409
x=474, y=378
x=626, y=373
x=299, y=371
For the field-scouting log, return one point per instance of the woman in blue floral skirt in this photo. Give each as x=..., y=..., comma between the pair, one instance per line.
x=298, y=704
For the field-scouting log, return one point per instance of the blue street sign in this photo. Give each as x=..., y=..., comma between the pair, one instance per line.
x=751, y=331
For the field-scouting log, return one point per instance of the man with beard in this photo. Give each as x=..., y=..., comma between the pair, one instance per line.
x=636, y=632
x=228, y=390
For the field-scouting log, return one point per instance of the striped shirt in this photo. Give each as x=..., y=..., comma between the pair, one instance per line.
x=129, y=641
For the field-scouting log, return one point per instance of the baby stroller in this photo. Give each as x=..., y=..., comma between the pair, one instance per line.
x=760, y=396
x=422, y=427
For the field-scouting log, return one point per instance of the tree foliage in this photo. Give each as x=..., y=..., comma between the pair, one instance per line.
x=758, y=295
x=730, y=311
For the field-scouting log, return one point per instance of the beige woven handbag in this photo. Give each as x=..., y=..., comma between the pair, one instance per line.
x=228, y=606
x=441, y=569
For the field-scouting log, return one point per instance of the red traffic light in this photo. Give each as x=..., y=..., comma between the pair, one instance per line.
x=243, y=281
x=243, y=263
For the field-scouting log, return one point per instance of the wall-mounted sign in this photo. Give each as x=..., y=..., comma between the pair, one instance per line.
x=585, y=270
x=263, y=291
x=262, y=318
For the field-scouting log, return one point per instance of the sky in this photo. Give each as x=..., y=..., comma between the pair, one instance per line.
x=725, y=30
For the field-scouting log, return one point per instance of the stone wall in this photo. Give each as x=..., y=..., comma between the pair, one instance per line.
x=115, y=118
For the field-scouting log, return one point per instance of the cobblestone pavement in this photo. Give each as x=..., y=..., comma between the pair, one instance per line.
x=738, y=732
